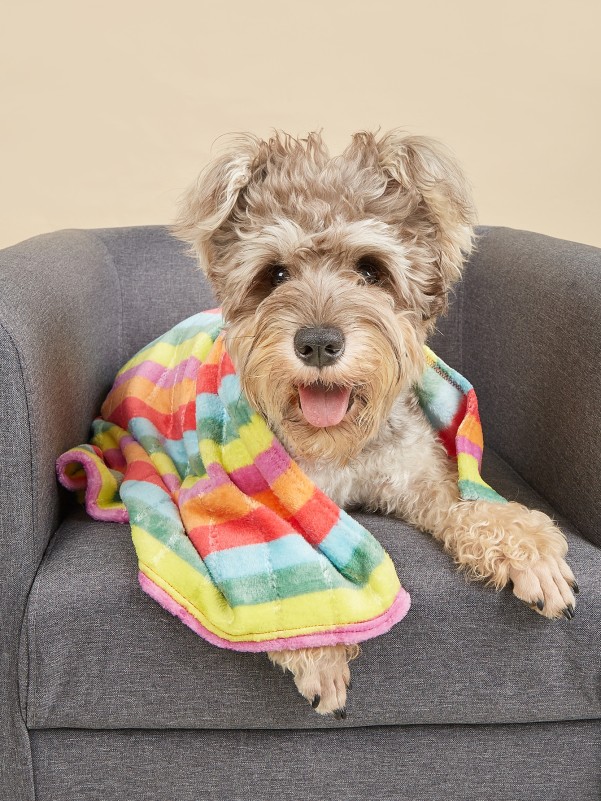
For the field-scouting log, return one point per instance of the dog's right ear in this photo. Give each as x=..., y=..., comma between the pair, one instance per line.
x=211, y=199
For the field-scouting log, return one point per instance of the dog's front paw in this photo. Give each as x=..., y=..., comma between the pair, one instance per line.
x=548, y=586
x=324, y=683
x=321, y=675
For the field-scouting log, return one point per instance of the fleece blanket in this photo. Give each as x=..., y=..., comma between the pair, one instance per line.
x=231, y=536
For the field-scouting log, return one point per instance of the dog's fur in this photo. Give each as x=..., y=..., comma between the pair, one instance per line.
x=369, y=242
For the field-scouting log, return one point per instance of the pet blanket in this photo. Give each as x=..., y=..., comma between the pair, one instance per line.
x=231, y=536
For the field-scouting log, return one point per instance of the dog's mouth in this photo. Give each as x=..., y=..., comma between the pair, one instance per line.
x=324, y=405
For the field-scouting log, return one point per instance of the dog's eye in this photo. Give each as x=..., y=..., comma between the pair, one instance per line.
x=278, y=274
x=370, y=269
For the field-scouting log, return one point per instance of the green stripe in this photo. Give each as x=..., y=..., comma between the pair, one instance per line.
x=367, y=555
x=213, y=428
x=286, y=582
x=471, y=491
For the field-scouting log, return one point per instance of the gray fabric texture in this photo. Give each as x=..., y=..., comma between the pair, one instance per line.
x=101, y=654
x=532, y=349
x=544, y=762
x=160, y=283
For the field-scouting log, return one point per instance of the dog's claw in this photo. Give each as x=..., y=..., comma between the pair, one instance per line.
x=576, y=588
x=340, y=714
x=349, y=686
x=540, y=603
x=567, y=613
x=315, y=701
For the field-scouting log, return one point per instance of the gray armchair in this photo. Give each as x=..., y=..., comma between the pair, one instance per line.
x=104, y=695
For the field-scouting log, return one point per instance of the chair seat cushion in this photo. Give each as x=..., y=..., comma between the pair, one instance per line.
x=96, y=652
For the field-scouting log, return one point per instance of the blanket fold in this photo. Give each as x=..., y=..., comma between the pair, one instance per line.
x=231, y=536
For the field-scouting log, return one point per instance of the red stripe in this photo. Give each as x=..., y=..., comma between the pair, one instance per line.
x=259, y=525
x=207, y=379
x=226, y=366
x=169, y=425
x=141, y=470
x=316, y=518
x=472, y=404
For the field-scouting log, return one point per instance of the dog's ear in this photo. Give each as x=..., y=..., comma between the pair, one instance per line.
x=210, y=201
x=441, y=211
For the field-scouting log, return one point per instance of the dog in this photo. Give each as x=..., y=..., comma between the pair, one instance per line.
x=331, y=273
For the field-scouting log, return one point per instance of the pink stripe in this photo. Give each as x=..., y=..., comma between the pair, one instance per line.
x=171, y=481
x=93, y=486
x=216, y=477
x=465, y=445
x=343, y=635
x=160, y=375
x=273, y=462
x=115, y=459
x=249, y=480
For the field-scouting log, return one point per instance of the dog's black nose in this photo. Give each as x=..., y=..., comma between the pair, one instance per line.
x=320, y=346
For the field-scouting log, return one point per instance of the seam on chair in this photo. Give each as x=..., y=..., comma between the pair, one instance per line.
x=31, y=546
x=33, y=510
x=31, y=695
x=109, y=257
x=29, y=436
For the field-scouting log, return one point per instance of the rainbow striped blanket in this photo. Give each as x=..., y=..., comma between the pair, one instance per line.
x=231, y=536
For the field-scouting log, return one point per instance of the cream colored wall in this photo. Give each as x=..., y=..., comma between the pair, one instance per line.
x=109, y=109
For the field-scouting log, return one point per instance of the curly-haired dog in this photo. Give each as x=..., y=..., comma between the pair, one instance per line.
x=331, y=272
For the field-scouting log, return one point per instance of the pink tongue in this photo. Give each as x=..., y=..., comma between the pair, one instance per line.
x=323, y=407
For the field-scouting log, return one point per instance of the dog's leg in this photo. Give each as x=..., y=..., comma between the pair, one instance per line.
x=496, y=542
x=321, y=675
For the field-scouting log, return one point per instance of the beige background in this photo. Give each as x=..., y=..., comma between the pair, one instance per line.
x=110, y=109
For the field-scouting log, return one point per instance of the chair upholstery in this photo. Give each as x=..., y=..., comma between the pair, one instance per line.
x=83, y=649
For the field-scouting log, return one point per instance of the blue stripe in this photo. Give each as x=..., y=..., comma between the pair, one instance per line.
x=261, y=558
x=344, y=540
x=208, y=405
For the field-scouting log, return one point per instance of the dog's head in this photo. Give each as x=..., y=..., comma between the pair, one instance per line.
x=331, y=273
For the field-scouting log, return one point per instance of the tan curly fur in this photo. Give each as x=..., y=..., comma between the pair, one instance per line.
x=401, y=203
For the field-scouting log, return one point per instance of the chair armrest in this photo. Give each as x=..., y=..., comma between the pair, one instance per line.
x=60, y=346
x=531, y=329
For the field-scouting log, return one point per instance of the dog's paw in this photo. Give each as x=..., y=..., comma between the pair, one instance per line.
x=547, y=586
x=321, y=675
x=325, y=683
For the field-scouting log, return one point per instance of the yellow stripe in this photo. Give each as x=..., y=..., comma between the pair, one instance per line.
x=254, y=438
x=234, y=454
x=164, y=464
x=108, y=483
x=109, y=438
x=292, y=616
x=256, y=435
x=468, y=467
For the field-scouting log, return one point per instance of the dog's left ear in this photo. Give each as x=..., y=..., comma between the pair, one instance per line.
x=212, y=198
x=442, y=212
